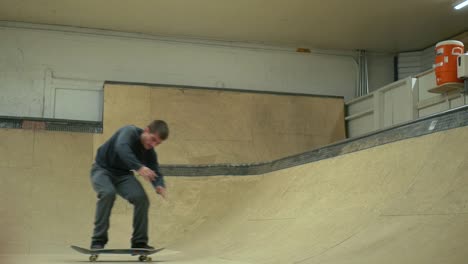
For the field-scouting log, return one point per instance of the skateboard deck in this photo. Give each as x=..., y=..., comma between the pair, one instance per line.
x=94, y=253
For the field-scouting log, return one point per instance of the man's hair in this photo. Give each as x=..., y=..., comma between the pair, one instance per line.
x=160, y=127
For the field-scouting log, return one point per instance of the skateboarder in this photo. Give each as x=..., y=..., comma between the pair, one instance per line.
x=130, y=149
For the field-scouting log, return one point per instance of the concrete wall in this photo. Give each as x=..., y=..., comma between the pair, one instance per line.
x=29, y=52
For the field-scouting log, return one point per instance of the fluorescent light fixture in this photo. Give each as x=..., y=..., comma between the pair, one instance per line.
x=461, y=5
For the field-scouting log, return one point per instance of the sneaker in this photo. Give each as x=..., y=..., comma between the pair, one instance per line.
x=96, y=245
x=142, y=245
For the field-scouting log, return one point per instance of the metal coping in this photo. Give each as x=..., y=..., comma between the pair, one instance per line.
x=50, y=124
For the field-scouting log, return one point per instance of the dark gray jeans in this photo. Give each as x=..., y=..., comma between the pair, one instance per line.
x=107, y=186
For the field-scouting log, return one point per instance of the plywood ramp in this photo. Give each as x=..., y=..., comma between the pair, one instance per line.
x=399, y=203
x=404, y=202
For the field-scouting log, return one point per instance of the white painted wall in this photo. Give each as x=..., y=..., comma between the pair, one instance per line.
x=380, y=70
x=390, y=105
x=413, y=63
x=401, y=101
x=29, y=52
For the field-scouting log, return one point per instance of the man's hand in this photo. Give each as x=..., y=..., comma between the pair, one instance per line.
x=161, y=191
x=147, y=173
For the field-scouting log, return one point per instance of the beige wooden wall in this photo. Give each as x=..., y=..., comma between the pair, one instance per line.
x=210, y=127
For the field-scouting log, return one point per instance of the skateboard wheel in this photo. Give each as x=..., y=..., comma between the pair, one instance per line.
x=142, y=258
x=93, y=258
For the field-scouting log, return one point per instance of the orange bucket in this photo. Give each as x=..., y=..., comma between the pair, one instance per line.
x=446, y=61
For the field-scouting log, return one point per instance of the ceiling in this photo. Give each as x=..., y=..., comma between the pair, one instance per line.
x=375, y=25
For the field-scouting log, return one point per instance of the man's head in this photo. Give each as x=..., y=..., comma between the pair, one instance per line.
x=154, y=134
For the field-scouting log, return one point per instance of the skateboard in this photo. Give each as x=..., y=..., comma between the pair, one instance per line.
x=142, y=252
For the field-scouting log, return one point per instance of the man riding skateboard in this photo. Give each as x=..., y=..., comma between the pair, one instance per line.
x=129, y=150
